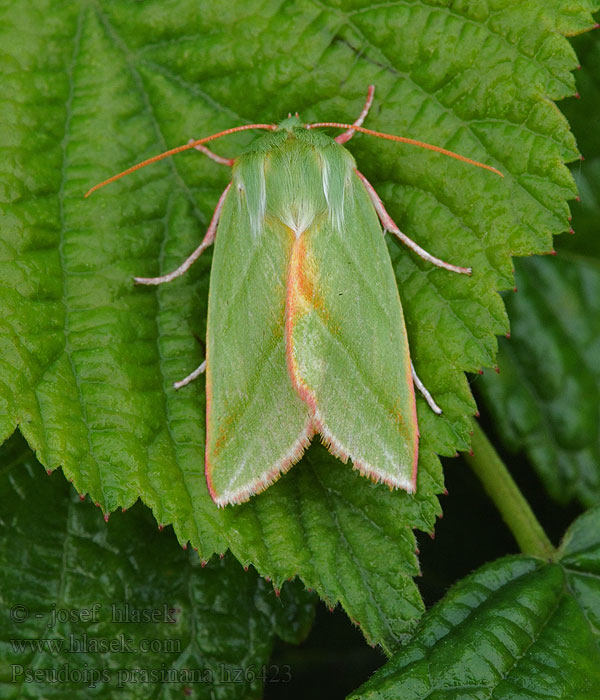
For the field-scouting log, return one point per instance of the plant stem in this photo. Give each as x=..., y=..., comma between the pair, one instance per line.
x=501, y=488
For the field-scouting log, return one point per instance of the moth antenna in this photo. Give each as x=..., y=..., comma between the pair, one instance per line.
x=404, y=139
x=178, y=149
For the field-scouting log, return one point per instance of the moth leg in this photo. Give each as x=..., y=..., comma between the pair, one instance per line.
x=389, y=225
x=186, y=264
x=212, y=155
x=423, y=389
x=190, y=378
x=347, y=135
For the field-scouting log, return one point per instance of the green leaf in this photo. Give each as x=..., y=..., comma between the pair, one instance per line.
x=545, y=399
x=87, y=360
x=518, y=628
x=76, y=588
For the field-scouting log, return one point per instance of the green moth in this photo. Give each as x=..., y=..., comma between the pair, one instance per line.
x=305, y=327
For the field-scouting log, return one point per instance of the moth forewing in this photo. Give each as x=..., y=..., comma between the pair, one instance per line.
x=256, y=424
x=346, y=342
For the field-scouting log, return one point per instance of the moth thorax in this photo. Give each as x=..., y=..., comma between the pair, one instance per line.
x=299, y=215
x=311, y=188
x=336, y=179
x=295, y=184
x=252, y=196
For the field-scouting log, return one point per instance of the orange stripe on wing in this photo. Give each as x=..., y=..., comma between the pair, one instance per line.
x=302, y=297
x=224, y=431
x=413, y=405
x=287, y=460
x=299, y=298
x=208, y=437
x=399, y=419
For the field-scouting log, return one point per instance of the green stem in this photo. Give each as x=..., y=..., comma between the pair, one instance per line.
x=501, y=488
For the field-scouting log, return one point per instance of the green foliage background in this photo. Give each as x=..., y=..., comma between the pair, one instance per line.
x=518, y=627
x=87, y=360
x=209, y=621
x=546, y=399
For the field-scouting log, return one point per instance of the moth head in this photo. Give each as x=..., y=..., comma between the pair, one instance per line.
x=290, y=123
